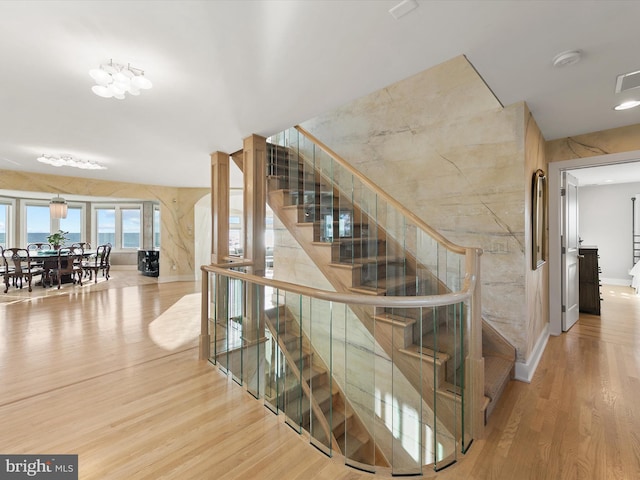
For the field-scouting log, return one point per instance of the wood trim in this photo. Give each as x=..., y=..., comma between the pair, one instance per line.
x=352, y=298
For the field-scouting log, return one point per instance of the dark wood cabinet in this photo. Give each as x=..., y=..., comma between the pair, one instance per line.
x=149, y=262
x=589, y=280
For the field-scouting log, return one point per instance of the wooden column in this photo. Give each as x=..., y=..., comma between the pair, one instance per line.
x=219, y=207
x=255, y=200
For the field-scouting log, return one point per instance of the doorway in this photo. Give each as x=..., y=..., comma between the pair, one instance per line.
x=556, y=287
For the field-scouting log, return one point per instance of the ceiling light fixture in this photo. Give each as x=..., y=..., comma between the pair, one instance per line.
x=114, y=80
x=69, y=161
x=58, y=207
x=627, y=105
x=567, y=58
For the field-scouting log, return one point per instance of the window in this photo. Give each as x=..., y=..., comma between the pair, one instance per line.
x=130, y=222
x=38, y=223
x=119, y=225
x=105, y=226
x=72, y=224
x=5, y=220
x=156, y=226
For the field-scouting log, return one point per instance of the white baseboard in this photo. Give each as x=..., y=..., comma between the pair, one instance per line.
x=176, y=278
x=525, y=371
x=625, y=282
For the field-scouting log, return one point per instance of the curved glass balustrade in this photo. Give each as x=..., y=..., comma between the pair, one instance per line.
x=308, y=354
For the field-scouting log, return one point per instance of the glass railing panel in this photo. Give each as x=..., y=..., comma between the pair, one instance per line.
x=254, y=338
x=465, y=379
x=273, y=357
x=367, y=250
x=310, y=178
x=214, y=305
x=358, y=444
x=235, y=329
x=406, y=410
x=294, y=403
x=447, y=395
x=317, y=328
x=293, y=167
x=223, y=332
x=326, y=197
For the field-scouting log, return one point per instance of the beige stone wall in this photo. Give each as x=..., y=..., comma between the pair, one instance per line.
x=176, y=211
x=440, y=143
x=537, y=281
x=616, y=140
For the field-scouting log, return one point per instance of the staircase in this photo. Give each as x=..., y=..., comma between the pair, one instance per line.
x=307, y=394
x=405, y=385
x=358, y=255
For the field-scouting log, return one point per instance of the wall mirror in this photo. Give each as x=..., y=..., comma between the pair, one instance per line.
x=538, y=210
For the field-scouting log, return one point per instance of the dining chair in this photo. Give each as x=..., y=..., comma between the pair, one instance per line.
x=99, y=262
x=34, y=248
x=69, y=263
x=18, y=268
x=3, y=265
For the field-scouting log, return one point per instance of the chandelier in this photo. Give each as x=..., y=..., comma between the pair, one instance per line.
x=69, y=161
x=58, y=207
x=114, y=80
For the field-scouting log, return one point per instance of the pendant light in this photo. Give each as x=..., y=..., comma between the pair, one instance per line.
x=58, y=207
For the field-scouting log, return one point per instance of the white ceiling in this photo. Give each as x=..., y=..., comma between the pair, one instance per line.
x=225, y=69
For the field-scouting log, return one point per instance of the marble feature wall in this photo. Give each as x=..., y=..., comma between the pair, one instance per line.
x=537, y=281
x=177, y=257
x=441, y=143
x=615, y=140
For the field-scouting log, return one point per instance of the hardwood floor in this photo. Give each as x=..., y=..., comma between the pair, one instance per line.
x=111, y=373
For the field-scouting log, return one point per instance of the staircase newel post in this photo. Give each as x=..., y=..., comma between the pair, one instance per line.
x=476, y=360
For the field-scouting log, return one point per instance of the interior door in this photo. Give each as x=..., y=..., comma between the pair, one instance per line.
x=570, y=250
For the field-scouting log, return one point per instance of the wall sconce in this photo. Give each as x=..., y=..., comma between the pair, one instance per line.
x=58, y=207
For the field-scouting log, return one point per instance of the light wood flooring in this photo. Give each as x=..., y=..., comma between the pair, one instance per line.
x=111, y=372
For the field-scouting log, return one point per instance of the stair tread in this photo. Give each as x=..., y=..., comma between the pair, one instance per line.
x=349, y=444
x=367, y=290
x=311, y=372
x=388, y=283
x=497, y=371
x=450, y=390
x=395, y=319
x=426, y=354
x=379, y=259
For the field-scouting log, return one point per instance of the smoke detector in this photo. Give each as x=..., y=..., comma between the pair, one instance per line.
x=567, y=58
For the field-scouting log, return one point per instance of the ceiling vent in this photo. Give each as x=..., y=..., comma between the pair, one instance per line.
x=403, y=8
x=627, y=81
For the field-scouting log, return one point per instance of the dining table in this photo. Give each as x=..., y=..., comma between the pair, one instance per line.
x=49, y=259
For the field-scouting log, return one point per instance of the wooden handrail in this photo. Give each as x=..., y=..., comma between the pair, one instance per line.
x=465, y=293
x=381, y=193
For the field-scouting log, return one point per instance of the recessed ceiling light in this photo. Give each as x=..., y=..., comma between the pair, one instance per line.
x=627, y=105
x=567, y=58
x=403, y=8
